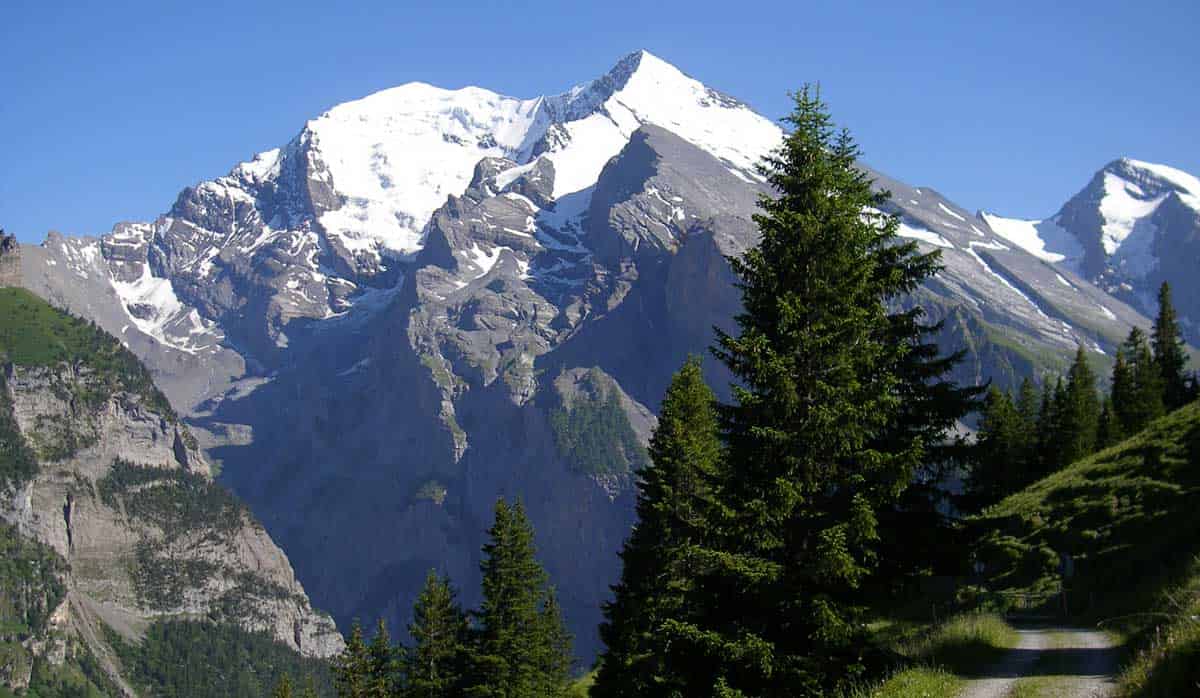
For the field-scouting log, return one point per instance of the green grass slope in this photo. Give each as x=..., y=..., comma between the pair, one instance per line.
x=1128, y=517
x=34, y=333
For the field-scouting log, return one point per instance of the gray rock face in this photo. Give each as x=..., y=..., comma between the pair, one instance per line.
x=572, y=253
x=130, y=561
x=10, y=261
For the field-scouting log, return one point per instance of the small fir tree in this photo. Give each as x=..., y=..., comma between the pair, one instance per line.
x=1169, y=356
x=382, y=671
x=436, y=663
x=516, y=645
x=674, y=512
x=352, y=668
x=1080, y=411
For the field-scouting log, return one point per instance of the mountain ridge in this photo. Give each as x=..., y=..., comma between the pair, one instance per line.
x=338, y=387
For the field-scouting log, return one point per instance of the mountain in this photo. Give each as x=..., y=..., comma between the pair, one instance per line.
x=1135, y=225
x=431, y=298
x=105, y=492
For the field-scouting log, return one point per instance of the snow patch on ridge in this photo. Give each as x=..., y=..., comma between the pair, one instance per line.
x=1044, y=239
x=152, y=306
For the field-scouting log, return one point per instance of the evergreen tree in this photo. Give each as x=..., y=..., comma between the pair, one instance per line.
x=352, y=668
x=1169, y=356
x=283, y=689
x=310, y=688
x=555, y=660
x=1122, y=393
x=998, y=468
x=809, y=459
x=382, y=664
x=436, y=663
x=1108, y=429
x=1140, y=398
x=673, y=508
x=1027, y=408
x=1048, y=444
x=1080, y=412
x=516, y=644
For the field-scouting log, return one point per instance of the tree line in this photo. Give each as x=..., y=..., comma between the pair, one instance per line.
x=1026, y=437
x=515, y=644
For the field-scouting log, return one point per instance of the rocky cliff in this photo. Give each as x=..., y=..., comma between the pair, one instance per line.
x=97, y=468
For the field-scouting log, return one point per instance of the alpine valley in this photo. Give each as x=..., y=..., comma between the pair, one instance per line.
x=431, y=298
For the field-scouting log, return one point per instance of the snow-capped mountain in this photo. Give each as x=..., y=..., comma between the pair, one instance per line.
x=1135, y=225
x=386, y=323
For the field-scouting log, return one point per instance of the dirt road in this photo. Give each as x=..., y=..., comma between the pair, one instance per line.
x=1051, y=662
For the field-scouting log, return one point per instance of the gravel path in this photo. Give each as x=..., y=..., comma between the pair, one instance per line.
x=1065, y=663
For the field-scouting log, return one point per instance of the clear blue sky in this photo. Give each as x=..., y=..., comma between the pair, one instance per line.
x=108, y=109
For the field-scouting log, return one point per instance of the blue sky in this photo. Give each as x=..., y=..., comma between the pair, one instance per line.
x=107, y=110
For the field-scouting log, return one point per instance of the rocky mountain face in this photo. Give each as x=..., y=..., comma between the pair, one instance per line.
x=432, y=298
x=99, y=471
x=1135, y=225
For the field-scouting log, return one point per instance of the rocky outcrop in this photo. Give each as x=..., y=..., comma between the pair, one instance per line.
x=10, y=261
x=121, y=492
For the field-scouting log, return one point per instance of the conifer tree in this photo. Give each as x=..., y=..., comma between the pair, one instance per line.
x=1048, y=445
x=1108, y=430
x=674, y=511
x=997, y=471
x=556, y=649
x=1080, y=412
x=1121, y=391
x=1169, y=356
x=807, y=466
x=1027, y=408
x=1138, y=397
x=352, y=668
x=436, y=663
x=382, y=665
x=516, y=643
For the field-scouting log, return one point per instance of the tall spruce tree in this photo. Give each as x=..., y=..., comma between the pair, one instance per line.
x=807, y=466
x=1169, y=356
x=436, y=663
x=674, y=509
x=517, y=649
x=1080, y=412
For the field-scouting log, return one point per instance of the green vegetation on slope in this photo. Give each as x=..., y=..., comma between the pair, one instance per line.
x=30, y=584
x=171, y=499
x=1129, y=512
x=1167, y=662
x=33, y=333
x=593, y=433
x=18, y=464
x=182, y=659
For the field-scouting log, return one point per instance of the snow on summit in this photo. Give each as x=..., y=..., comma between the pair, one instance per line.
x=396, y=155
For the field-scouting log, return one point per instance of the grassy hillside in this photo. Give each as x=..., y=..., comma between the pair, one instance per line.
x=1129, y=519
x=1130, y=512
x=34, y=333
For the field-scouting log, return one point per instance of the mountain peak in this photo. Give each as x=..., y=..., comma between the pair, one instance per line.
x=1170, y=177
